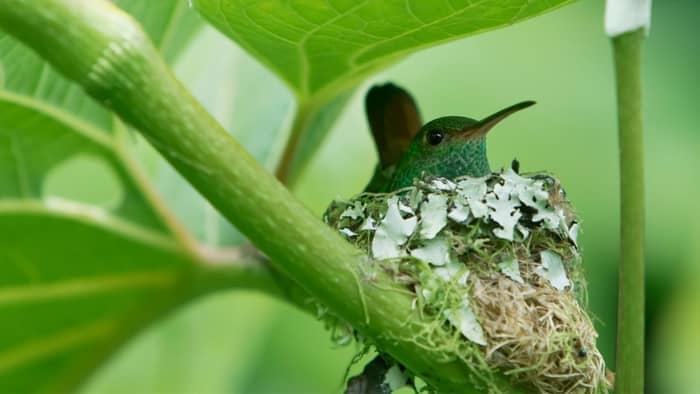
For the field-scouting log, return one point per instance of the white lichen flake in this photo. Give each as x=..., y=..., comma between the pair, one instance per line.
x=347, y=232
x=443, y=184
x=384, y=247
x=451, y=271
x=530, y=192
x=435, y=251
x=503, y=205
x=355, y=211
x=459, y=212
x=466, y=322
x=406, y=209
x=415, y=199
x=473, y=190
x=369, y=224
x=511, y=269
x=552, y=269
x=523, y=230
x=392, y=232
x=552, y=218
x=503, y=198
x=433, y=216
x=573, y=233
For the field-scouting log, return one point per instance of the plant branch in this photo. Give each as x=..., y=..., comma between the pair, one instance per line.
x=104, y=50
x=241, y=268
x=630, y=320
x=302, y=118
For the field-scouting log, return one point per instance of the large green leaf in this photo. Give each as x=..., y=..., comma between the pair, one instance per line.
x=88, y=252
x=74, y=286
x=74, y=274
x=320, y=48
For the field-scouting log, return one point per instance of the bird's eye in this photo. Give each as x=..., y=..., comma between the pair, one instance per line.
x=435, y=137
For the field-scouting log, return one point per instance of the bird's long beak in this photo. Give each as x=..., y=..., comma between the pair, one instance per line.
x=483, y=126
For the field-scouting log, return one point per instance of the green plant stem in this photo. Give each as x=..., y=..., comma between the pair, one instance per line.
x=630, y=320
x=103, y=49
x=302, y=117
x=245, y=268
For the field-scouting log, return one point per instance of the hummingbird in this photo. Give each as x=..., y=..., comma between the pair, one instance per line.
x=447, y=147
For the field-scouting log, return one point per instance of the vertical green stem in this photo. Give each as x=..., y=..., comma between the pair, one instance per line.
x=630, y=331
x=302, y=118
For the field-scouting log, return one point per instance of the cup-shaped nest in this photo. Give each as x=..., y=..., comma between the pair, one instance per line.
x=495, y=269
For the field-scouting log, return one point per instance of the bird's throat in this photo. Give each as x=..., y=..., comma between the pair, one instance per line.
x=466, y=159
x=459, y=159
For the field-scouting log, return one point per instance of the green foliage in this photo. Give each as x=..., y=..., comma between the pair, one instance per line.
x=322, y=49
x=317, y=46
x=59, y=323
x=74, y=275
x=52, y=283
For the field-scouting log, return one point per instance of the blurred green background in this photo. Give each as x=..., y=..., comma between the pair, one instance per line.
x=247, y=343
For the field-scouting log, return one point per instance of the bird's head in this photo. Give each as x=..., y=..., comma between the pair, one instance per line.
x=449, y=147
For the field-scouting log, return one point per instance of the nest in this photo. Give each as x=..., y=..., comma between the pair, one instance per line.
x=496, y=273
x=538, y=335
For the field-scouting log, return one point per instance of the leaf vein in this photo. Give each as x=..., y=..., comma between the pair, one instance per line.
x=91, y=215
x=356, y=55
x=99, y=136
x=26, y=353
x=20, y=166
x=303, y=53
x=77, y=287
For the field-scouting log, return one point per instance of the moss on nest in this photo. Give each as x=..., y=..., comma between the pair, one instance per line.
x=496, y=273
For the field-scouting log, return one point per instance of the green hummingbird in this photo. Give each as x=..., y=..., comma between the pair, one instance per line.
x=448, y=147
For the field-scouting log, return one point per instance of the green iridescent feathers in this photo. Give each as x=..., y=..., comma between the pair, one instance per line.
x=447, y=147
